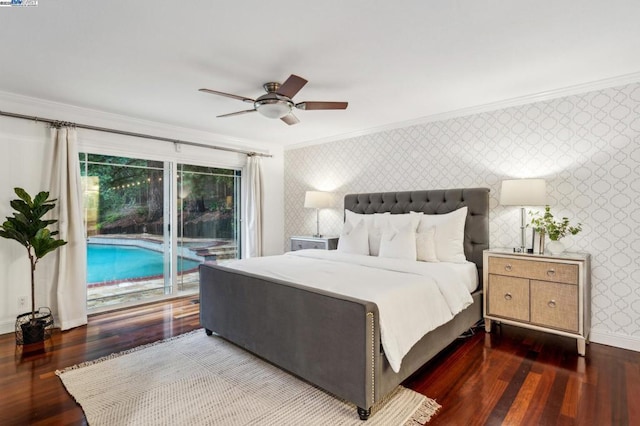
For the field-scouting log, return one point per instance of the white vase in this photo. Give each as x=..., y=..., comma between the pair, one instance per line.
x=555, y=247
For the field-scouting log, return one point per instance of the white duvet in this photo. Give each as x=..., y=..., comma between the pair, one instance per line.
x=413, y=298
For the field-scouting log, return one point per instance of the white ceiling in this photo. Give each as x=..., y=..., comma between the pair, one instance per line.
x=393, y=61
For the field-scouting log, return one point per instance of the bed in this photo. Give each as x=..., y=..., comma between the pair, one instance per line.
x=331, y=340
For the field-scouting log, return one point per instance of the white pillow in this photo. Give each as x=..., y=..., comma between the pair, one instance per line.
x=398, y=221
x=355, y=218
x=398, y=244
x=354, y=239
x=449, y=234
x=375, y=232
x=426, y=245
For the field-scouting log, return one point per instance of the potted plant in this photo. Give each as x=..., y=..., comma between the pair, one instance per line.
x=555, y=229
x=27, y=227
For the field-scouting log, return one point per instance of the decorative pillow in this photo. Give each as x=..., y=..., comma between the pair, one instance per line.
x=398, y=244
x=354, y=239
x=375, y=234
x=449, y=230
x=426, y=245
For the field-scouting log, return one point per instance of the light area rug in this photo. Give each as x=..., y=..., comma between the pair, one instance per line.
x=195, y=379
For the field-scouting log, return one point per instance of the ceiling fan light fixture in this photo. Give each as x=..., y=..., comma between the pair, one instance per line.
x=277, y=102
x=274, y=108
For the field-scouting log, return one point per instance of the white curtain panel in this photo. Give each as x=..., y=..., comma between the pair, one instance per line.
x=254, y=203
x=70, y=276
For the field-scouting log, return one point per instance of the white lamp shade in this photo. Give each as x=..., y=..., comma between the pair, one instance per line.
x=317, y=199
x=523, y=192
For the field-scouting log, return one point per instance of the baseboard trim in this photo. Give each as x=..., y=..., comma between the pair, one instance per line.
x=7, y=326
x=623, y=341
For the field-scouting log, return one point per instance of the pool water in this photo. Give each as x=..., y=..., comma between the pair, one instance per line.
x=106, y=262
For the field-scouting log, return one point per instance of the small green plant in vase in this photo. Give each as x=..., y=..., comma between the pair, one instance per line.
x=555, y=229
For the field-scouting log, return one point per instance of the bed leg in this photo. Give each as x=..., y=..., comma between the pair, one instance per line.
x=209, y=332
x=364, y=413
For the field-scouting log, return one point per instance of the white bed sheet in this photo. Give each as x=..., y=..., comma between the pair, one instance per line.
x=413, y=297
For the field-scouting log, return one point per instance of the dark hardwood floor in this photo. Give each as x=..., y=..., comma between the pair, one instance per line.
x=511, y=376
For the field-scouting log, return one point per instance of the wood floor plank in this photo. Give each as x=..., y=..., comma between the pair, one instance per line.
x=551, y=405
x=632, y=375
x=571, y=398
x=589, y=406
x=619, y=412
x=543, y=408
x=516, y=382
x=520, y=404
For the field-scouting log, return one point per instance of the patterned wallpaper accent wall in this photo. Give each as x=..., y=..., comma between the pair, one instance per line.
x=586, y=146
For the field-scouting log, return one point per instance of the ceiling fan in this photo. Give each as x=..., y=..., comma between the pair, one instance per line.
x=277, y=102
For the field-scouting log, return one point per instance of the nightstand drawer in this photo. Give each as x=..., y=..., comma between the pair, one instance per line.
x=554, y=305
x=508, y=297
x=318, y=243
x=305, y=244
x=537, y=270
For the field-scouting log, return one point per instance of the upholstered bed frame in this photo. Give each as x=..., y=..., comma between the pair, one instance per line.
x=331, y=340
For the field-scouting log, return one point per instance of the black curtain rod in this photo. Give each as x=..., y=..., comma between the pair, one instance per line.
x=58, y=123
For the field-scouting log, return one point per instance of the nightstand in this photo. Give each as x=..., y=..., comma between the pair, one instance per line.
x=550, y=293
x=324, y=243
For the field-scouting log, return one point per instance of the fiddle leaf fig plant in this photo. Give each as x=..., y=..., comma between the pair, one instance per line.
x=27, y=227
x=555, y=229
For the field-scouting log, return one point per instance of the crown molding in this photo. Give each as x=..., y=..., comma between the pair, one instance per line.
x=21, y=104
x=493, y=106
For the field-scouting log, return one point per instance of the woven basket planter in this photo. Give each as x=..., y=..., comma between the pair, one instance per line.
x=30, y=331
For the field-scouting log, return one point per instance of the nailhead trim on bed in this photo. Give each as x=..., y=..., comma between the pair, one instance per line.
x=371, y=318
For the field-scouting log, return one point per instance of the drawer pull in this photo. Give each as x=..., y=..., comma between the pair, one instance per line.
x=551, y=272
x=508, y=296
x=551, y=304
x=508, y=267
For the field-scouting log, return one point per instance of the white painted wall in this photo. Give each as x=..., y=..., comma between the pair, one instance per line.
x=25, y=162
x=24, y=153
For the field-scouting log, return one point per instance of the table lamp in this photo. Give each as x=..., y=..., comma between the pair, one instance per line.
x=523, y=192
x=317, y=200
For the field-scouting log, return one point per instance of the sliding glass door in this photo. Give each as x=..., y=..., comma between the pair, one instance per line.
x=131, y=207
x=209, y=219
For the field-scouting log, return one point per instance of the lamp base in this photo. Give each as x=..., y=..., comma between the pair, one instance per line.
x=317, y=235
x=523, y=231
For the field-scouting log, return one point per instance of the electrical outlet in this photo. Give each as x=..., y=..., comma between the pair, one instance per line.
x=22, y=302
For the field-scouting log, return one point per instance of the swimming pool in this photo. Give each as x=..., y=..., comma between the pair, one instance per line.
x=107, y=262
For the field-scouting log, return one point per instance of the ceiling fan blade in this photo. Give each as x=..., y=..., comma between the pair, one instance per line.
x=322, y=105
x=231, y=114
x=290, y=119
x=292, y=86
x=228, y=95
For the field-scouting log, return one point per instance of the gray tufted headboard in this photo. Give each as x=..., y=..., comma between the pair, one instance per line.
x=437, y=201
